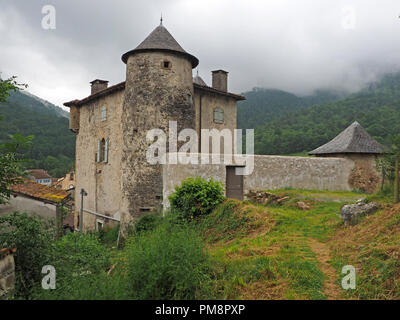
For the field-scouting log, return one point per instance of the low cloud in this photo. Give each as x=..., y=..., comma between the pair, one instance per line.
x=297, y=45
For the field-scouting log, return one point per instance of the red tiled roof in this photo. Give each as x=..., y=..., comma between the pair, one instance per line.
x=39, y=191
x=39, y=173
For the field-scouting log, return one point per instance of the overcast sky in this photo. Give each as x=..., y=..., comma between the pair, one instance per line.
x=294, y=45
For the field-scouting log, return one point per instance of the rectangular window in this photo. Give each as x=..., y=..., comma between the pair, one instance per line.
x=98, y=151
x=103, y=114
x=105, y=156
x=102, y=150
x=99, y=224
x=218, y=116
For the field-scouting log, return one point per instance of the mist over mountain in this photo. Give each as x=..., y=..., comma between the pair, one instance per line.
x=264, y=105
x=290, y=127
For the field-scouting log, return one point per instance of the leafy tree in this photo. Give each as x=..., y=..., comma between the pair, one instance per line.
x=396, y=154
x=8, y=85
x=32, y=237
x=10, y=162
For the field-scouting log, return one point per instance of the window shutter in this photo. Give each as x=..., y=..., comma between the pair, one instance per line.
x=106, y=151
x=103, y=114
x=98, y=150
x=218, y=116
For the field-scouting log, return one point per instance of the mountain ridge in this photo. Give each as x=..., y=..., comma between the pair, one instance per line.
x=266, y=104
x=376, y=108
x=53, y=146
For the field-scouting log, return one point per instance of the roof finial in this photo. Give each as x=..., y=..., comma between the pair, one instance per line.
x=197, y=71
x=161, y=20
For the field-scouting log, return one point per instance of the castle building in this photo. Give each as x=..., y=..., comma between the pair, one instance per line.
x=111, y=125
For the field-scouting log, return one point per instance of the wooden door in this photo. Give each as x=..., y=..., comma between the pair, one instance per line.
x=234, y=184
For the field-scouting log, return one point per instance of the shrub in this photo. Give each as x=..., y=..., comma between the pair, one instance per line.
x=147, y=222
x=108, y=235
x=168, y=263
x=78, y=253
x=196, y=197
x=32, y=237
x=99, y=286
x=81, y=262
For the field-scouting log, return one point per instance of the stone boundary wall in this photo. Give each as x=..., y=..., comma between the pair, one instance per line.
x=270, y=172
x=31, y=206
x=276, y=172
x=7, y=273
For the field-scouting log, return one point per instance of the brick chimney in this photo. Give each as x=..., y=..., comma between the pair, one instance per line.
x=98, y=85
x=220, y=80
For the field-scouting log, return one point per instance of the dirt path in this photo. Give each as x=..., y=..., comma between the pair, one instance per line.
x=322, y=252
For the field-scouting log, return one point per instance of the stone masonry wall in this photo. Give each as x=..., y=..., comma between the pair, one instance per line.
x=102, y=181
x=153, y=96
x=209, y=102
x=364, y=176
x=270, y=172
x=7, y=274
x=31, y=206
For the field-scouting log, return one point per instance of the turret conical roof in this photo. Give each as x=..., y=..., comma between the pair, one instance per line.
x=352, y=140
x=161, y=40
x=198, y=80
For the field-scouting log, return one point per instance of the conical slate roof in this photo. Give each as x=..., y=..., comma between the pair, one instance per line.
x=198, y=80
x=161, y=39
x=352, y=140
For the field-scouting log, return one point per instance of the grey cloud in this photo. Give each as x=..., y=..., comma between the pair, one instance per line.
x=296, y=45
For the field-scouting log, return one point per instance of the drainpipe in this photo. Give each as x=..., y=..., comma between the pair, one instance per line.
x=201, y=96
x=83, y=194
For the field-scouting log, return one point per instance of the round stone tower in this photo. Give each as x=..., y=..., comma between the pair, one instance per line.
x=158, y=89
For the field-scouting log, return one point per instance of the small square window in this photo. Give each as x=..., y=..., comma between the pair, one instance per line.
x=166, y=64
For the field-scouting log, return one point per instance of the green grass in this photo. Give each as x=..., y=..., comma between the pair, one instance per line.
x=282, y=254
x=373, y=248
x=243, y=250
x=321, y=195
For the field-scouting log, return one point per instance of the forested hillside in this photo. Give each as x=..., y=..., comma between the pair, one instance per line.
x=376, y=107
x=264, y=105
x=53, y=147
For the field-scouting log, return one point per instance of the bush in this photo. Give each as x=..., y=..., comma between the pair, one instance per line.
x=196, y=197
x=81, y=262
x=108, y=235
x=78, y=253
x=86, y=287
x=168, y=263
x=32, y=237
x=147, y=222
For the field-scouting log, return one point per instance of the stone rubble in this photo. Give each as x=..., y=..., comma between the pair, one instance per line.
x=302, y=205
x=263, y=197
x=350, y=212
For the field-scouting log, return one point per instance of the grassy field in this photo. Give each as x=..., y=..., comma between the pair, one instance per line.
x=294, y=247
x=283, y=252
x=272, y=251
